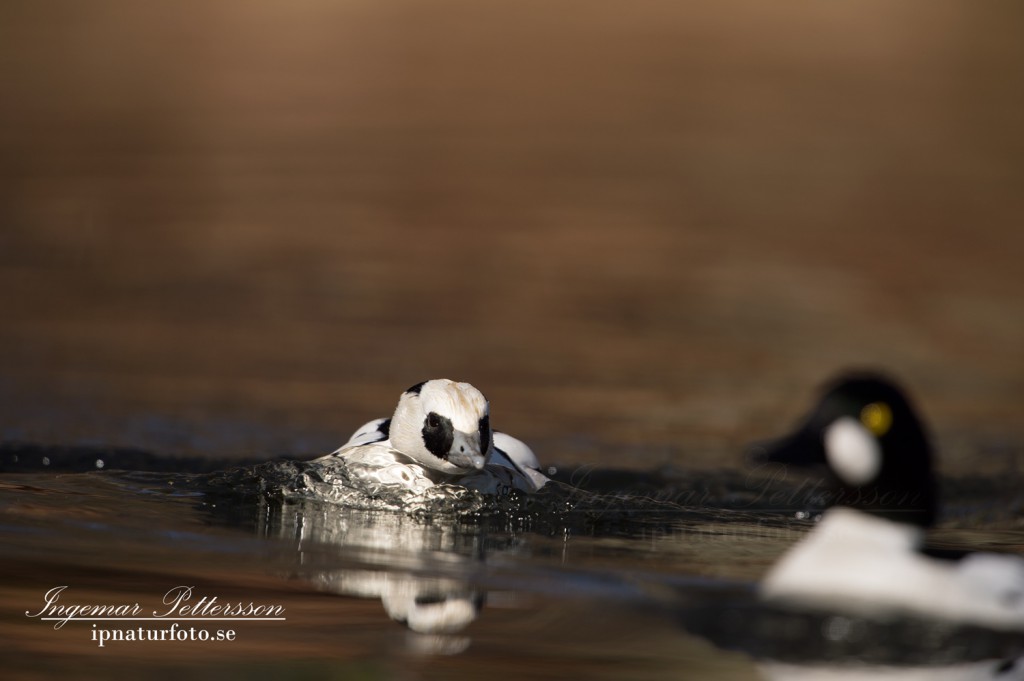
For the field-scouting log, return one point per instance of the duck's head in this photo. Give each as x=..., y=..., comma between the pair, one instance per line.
x=443, y=425
x=865, y=431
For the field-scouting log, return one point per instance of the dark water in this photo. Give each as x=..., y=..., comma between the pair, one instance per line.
x=622, y=575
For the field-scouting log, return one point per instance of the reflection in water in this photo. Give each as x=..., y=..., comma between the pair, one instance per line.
x=988, y=670
x=431, y=563
x=796, y=644
x=610, y=595
x=423, y=571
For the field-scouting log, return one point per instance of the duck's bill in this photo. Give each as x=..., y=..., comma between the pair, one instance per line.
x=465, y=452
x=467, y=460
x=803, y=447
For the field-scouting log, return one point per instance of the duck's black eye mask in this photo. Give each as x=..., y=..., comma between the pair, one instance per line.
x=438, y=435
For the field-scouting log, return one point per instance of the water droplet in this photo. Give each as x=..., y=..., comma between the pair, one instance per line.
x=99, y=463
x=46, y=461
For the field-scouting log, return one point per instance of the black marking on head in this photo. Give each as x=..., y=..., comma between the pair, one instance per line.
x=1006, y=665
x=415, y=390
x=485, y=433
x=385, y=428
x=904, y=488
x=438, y=434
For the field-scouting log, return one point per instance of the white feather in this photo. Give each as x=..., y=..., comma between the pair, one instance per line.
x=856, y=561
x=852, y=451
x=402, y=457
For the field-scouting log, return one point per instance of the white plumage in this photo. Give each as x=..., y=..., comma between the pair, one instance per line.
x=866, y=553
x=440, y=432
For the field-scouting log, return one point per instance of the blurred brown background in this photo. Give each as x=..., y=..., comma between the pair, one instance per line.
x=648, y=230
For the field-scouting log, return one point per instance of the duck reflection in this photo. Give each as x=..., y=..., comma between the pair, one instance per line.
x=426, y=574
x=988, y=670
x=791, y=643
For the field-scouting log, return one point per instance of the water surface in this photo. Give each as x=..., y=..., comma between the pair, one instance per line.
x=622, y=575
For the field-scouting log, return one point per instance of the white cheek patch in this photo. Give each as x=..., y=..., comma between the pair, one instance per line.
x=852, y=451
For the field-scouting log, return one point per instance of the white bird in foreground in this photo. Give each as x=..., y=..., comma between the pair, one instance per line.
x=867, y=552
x=441, y=433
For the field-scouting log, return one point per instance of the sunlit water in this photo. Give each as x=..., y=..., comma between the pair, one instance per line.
x=604, y=574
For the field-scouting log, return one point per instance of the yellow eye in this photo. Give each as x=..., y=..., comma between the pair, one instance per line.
x=877, y=417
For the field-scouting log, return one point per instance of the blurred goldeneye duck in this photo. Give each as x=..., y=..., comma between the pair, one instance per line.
x=441, y=432
x=867, y=552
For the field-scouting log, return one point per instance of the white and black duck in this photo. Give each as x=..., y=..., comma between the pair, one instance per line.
x=441, y=432
x=867, y=552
